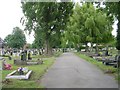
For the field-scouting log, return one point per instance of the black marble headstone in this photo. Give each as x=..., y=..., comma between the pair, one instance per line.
x=29, y=56
x=23, y=56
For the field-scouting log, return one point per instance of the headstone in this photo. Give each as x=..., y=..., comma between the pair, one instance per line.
x=118, y=59
x=106, y=53
x=25, y=51
x=23, y=56
x=10, y=58
x=3, y=52
x=3, y=65
x=29, y=56
x=11, y=53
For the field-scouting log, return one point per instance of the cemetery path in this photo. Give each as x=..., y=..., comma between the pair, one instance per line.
x=70, y=71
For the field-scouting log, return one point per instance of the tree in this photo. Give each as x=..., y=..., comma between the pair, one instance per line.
x=88, y=24
x=113, y=9
x=46, y=20
x=8, y=39
x=17, y=39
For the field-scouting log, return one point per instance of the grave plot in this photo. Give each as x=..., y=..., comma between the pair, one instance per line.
x=19, y=75
x=110, y=61
x=25, y=61
x=32, y=62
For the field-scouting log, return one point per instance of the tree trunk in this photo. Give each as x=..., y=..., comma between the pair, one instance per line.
x=78, y=47
x=48, y=48
x=91, y=50
x=97, y=48
x=86, y=48
x=107, y=48
x=39, y=51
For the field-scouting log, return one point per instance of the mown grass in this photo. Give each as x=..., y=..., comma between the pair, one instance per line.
x=106, y=69
x=33, y=82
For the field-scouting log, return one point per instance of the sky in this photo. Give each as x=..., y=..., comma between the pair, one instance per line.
x=11, y=13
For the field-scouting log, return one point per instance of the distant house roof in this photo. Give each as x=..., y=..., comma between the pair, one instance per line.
x=1, y=42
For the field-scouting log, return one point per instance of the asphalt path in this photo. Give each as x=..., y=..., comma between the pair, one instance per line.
x=70, y=71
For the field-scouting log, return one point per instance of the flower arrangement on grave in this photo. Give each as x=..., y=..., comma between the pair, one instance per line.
x=22, y=71
x=6, y=66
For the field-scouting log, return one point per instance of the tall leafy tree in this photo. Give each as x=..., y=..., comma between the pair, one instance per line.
x=17, y=39
x=8, y=39
x=47, y=19
x=88, y=24
x=113, y=9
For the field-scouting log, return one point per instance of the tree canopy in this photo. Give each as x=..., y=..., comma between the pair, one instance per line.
x=17, y=39
x=88, y=25
x=47, y=20
x=68, y=24
x=113, y=9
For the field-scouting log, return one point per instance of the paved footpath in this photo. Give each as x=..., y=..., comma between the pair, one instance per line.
x=70, y=71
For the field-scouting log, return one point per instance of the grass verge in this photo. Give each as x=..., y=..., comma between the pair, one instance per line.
x=57, y=54
x=38, y=71
x=107, y=69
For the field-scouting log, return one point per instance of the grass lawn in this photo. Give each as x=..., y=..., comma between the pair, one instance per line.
x=33, y=82
x=107, y=69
